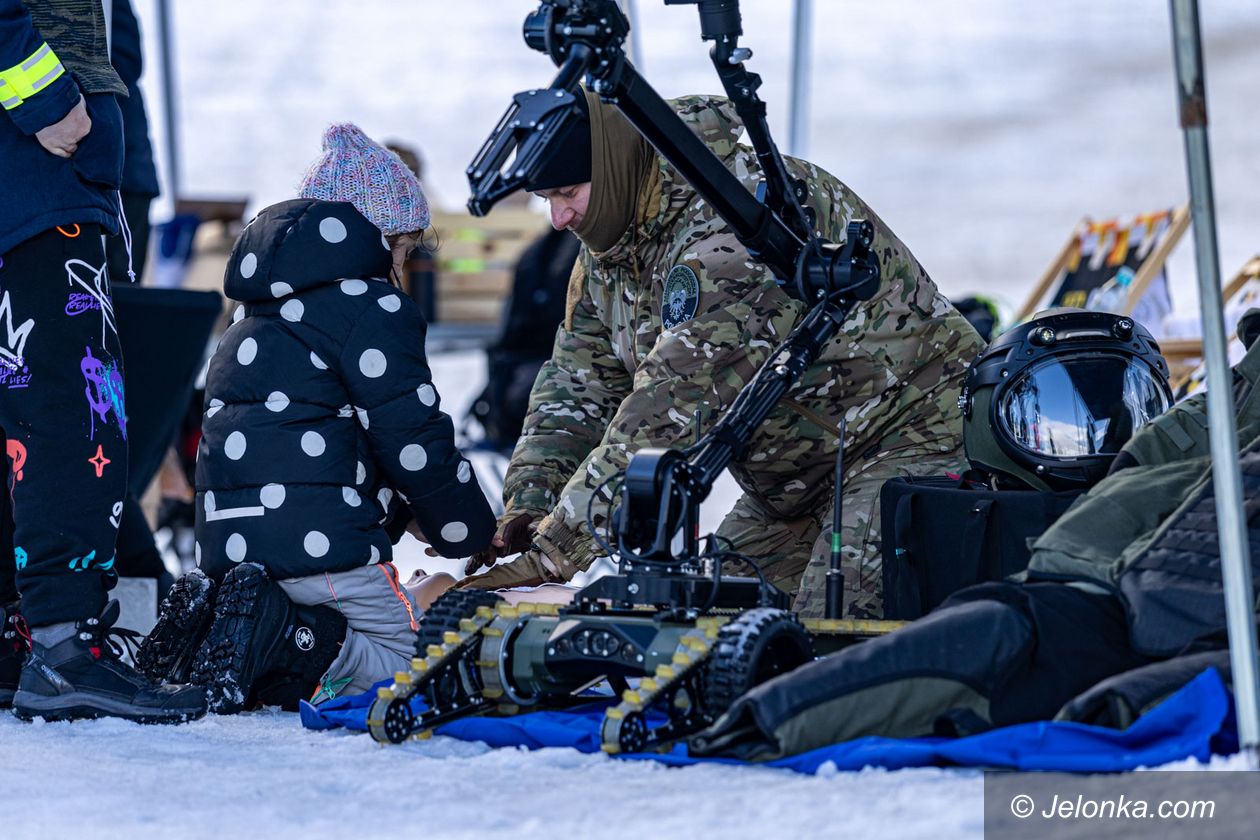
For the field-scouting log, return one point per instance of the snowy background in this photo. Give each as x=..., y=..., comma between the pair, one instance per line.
x=980, y=130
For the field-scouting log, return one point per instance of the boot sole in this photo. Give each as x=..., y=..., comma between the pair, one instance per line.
x=84, y=706
x=222, y=662
x=167, y=653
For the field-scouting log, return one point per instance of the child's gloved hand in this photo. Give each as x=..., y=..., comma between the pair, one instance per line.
x=513, y=537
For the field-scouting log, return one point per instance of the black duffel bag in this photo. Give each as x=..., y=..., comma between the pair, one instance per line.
x=942, y=534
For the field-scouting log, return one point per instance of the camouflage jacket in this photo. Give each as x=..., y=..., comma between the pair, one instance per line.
x=675, y=319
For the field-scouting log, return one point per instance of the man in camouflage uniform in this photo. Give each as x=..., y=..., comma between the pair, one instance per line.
x=668, y=318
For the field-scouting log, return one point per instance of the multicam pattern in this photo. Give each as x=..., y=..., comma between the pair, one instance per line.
x=618, y=380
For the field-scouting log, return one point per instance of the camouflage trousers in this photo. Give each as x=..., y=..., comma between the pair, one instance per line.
x=795, y=554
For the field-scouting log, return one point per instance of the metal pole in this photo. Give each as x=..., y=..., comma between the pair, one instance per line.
x=1226, y=477
x=802, y=61
x=169, y=115
x=107, y=8
x=636, y=50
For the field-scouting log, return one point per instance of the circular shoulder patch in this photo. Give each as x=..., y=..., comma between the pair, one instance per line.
x=682, y=295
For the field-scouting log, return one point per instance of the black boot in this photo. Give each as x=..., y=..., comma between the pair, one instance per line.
x=261, y=646
x=187, y=612
x=13, y=647
x=298, y=664
x=80, y=675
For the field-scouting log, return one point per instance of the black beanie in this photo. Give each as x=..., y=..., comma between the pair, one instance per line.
x=570, y=155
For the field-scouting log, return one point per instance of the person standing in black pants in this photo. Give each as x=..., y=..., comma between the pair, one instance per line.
x=62, y=393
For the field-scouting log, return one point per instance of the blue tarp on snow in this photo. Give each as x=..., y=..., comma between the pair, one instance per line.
x=1193, y=723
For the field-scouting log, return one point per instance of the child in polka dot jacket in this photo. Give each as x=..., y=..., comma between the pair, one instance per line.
x=322, y=439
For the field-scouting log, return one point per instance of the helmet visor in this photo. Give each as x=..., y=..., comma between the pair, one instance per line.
x=1081, y=405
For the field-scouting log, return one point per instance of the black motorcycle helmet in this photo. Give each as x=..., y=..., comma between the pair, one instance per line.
x=1049, y=404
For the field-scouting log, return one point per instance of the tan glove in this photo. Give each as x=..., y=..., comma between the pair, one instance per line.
x=530, y=569
x=514, y=536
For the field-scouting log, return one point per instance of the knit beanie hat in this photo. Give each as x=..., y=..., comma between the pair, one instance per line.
x=356, y=169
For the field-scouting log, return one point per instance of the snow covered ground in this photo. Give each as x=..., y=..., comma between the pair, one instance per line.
x=260, y=775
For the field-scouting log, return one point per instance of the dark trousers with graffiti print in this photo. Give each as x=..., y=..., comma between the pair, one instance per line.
x=64, y=425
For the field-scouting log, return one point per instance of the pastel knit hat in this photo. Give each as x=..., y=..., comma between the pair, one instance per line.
x=357, y=169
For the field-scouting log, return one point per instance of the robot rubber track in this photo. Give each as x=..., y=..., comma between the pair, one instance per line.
x=478, y=655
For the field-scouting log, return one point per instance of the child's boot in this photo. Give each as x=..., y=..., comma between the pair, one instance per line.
x=298, y=665
x=258, y=631
x=187, y=611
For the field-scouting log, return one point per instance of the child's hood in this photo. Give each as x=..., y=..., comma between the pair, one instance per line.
x=300, y=244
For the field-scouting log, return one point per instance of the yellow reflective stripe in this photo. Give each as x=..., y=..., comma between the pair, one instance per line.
x=24, y=80
x=8, y=97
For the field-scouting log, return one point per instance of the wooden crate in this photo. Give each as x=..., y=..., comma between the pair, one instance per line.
x=476, y=258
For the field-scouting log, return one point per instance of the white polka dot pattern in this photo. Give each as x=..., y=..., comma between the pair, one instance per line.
x=351, y=496
x=372, y=363
x=279, y=290
x=427, y=395
x=413, y=457
x=315, y=543
x=277, y=401
x=247, y=352
x=235, y=548
x=272, y=496
x=249, y=264
x=390, y=303
x=455, y=532
x=354, y=288
x=292, y=311
x=234, y=446
x=333, y=230
x=313, y=444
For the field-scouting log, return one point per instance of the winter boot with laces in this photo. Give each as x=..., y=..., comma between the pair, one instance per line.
x=13, y=647
x=74, y=671
x=262, y=648
x=167, y=653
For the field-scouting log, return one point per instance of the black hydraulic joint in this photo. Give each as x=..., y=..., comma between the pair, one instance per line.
x=849, y=270
x=655, y=495
x=717, y=17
